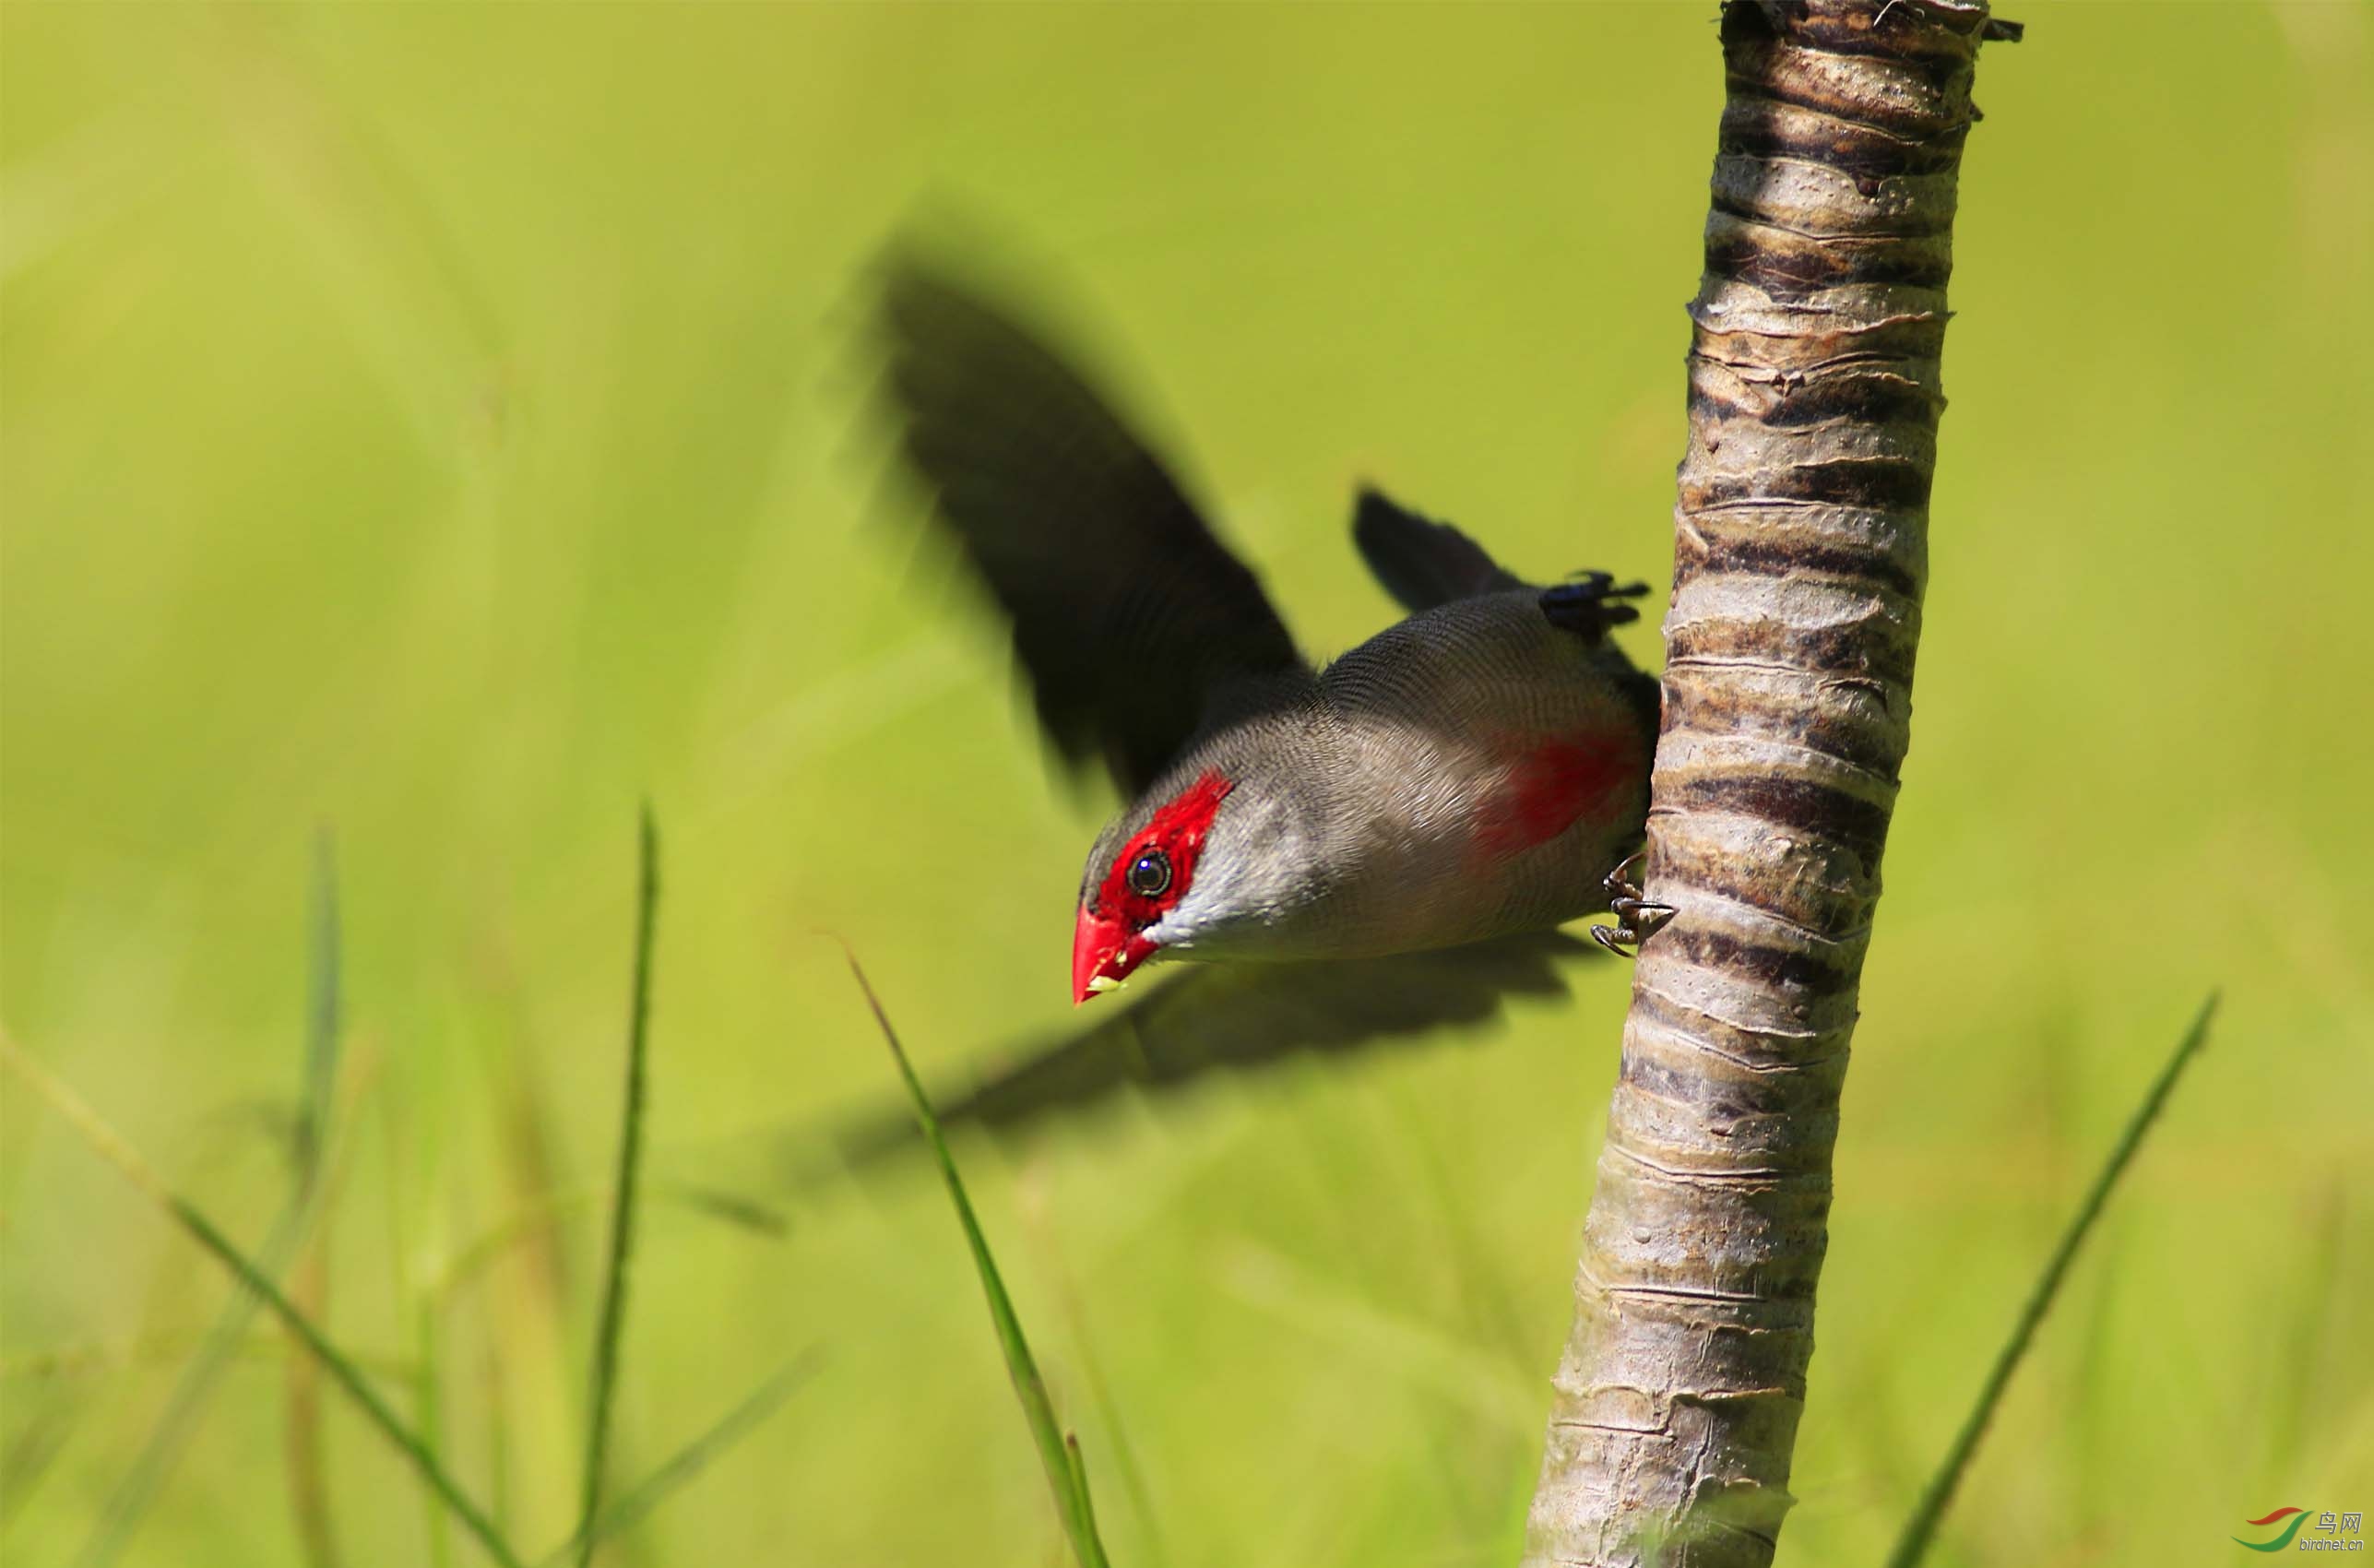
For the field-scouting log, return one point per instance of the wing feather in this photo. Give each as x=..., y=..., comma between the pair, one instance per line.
x=1132, y=621
x=1207, y=1019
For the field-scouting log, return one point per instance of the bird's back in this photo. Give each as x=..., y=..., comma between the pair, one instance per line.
x=1483, y=771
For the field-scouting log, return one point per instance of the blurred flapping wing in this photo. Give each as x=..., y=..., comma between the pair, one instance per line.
x=1210, y=1017
x=1131, y=618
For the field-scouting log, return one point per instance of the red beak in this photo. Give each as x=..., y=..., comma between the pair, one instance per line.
x=1103, y=949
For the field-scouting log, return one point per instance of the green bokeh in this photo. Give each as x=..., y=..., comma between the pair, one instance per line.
x=442, y=422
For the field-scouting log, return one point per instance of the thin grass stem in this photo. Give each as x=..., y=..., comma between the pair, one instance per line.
x=630, y=1161
x=194, y=1390
x=638, y=1500
x=102, y=1139
x=1058, y=1450
x=1920, y=1530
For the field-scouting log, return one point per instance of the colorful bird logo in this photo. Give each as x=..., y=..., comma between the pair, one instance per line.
x=2278, y=1542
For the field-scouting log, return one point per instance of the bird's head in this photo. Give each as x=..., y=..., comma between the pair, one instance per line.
x=1155, y=878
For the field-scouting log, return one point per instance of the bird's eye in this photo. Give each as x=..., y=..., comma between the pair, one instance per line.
x=1149, y=874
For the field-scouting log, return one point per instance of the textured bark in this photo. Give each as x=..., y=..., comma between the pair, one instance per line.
x=1800, y=551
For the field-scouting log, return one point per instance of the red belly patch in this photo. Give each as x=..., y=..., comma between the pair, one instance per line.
x=1554, y=784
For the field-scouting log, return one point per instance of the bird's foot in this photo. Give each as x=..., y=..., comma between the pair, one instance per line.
x=1637, y=919
x=1590, y=602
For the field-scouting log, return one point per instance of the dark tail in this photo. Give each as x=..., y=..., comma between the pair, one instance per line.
x=1420, y=561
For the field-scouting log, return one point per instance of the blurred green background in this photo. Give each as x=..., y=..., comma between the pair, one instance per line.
x=443, y=423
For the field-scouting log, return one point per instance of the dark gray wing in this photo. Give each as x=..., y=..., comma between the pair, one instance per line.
x=1128, y=615
x=1422, y=561
x=1206, y=1018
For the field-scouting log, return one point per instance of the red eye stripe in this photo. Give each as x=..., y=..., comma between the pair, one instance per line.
x=1178, y=830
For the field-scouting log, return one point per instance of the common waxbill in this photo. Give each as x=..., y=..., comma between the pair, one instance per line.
x=1475, y=770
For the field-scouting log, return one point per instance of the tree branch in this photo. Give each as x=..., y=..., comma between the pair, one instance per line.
x=1800, y=551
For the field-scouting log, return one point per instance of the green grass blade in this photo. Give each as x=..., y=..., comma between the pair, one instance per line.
x=349, y=1377
x=429, y=1414
x=129, y=1505
x=630, y=1160
x=1077, y=1468
x=1116, y=1432
x=309, y=1489
x=1921, y=1529
x=632, y=1506
x=1066, y=1476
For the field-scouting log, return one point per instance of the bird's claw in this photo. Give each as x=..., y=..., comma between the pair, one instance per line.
x=1636, y=922
x=1637, y=919
x=1619, y=881
x=1591, y=601
x=1604, y=585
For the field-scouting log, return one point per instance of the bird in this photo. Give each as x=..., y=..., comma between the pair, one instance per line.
x=1477, y=769
x=1327, y=855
